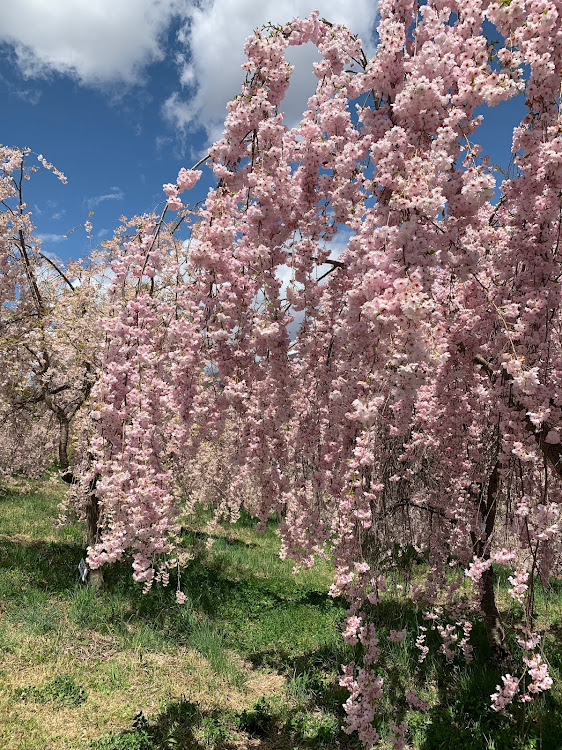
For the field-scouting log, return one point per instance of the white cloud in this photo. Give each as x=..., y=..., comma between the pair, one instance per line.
x=113, y=41
x=213, y=40
x=95, y=41
x=31, y=96
x=116, y=195
x=51, y=238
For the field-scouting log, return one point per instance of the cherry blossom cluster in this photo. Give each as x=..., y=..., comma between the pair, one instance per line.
x=187, y=178
x=378, y=336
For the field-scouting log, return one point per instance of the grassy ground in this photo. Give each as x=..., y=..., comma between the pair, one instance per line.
x=251, y=660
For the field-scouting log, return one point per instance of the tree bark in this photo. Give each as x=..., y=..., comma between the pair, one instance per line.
x=64, y=461
x=95, y=577
x=492, y=619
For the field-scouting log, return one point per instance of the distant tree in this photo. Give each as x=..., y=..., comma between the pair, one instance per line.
x=423, y=410
x=49, y=340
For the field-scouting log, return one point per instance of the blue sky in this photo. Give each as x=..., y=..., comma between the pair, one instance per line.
x=120, y=94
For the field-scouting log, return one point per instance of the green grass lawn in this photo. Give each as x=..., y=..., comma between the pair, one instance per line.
x=251, y=660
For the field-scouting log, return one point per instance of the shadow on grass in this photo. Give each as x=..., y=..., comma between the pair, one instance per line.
x=190, y=537
x=181, y=725
x=8, y=495
x=51, y=567
x=464, y=720
x=227, y=608
x=273, y=622
x=184, y=724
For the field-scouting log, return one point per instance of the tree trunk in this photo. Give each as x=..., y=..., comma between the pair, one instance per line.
x=492, y=619
x=95, y=577
x=64, y=461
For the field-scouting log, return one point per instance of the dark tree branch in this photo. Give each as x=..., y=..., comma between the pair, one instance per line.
x=551, y=451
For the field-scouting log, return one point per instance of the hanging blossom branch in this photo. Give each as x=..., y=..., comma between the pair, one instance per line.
x=393, y=393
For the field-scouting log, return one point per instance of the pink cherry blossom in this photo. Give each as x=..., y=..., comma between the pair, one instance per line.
x=397, y=397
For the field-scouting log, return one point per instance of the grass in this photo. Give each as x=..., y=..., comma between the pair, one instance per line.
x=61, y=691
x=251, y=660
